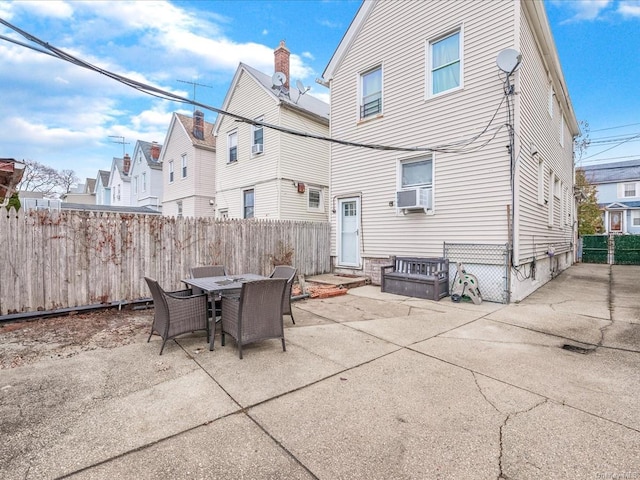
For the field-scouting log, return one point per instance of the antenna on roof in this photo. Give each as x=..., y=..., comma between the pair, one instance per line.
x=121, y=142
x=301, y=89
x=194, y=89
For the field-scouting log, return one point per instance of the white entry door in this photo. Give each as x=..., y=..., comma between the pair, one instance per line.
x=349, y=232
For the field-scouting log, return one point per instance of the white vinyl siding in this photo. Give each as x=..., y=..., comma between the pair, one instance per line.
x=471, y=189
x=286, y=160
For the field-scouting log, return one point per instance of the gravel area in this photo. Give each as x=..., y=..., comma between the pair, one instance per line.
x=26, y=342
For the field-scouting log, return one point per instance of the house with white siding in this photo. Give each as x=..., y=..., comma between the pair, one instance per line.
x=120, y=181
x=264, y=172
x=466, y=131
x=618, y=192
x=188, y=167
x=146, y=175
x=103, y=194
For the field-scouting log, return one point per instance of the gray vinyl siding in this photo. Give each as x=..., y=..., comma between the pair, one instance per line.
x=472, y=189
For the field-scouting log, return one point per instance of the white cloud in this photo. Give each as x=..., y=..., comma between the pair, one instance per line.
x=629, y=8
x=308, y=55
x=584, y=9
x=52, y=8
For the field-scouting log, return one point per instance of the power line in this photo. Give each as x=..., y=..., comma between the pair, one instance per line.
x=159, y=93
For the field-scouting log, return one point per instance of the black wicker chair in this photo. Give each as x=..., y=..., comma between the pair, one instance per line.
x=177, y=312
x=254, y=315
x=289, y=273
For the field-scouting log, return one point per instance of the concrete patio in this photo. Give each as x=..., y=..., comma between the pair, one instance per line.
x=372, y=386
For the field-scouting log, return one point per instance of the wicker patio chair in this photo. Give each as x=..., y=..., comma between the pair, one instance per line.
x=285, y=271
x=254, y=315
x=209, y=271
x=176, y=312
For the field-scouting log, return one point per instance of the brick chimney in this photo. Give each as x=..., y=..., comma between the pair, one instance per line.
x=126, y=163
x=282, y=61
x=198, y=125
x=155, y=151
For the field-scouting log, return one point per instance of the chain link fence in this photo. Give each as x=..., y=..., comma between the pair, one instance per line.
x=490, y=263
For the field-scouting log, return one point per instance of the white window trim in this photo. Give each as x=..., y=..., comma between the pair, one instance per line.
x=551, y=100
x=172, y=176
x=623, y=190
x=135, y=185
x=253, y=130
x=144, y=182
x=635, y=218
x=244, y=206
x=320, y=207
x=230, y=135
x=360, y=104
x=183, y=166
x=551, y=198
x=429, y=79
x=562, y=129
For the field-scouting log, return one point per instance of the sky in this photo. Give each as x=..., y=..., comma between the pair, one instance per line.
x=67, y=117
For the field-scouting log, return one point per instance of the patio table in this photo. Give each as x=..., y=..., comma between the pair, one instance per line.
x=215, y=286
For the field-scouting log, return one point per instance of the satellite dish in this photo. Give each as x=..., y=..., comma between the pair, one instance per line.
x=508, y=60
x=278, y=79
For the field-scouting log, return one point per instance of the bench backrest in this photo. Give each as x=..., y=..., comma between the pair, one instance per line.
x=421, y=266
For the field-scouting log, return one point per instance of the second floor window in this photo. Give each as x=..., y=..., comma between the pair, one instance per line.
x=135, y=185
x=184, y=165
x=170, y=171
x=630, y=190
x=144, y=181
x=371, y=88
x=258, y=138
x=232, y=144
x=445, y=65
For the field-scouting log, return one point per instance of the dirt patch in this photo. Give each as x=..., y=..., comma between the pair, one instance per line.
x=23, y=343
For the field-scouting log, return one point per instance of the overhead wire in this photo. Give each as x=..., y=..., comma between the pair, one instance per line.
x=453, y=147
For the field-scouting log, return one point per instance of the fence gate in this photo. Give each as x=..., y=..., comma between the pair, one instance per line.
x=626, y=249
x=595, y=249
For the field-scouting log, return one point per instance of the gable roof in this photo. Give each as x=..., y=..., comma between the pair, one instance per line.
x=613, y=172
x=90, y=185
x=209, y=140
x=118, y=165
x=11, y=172
x=146, y=151
x=534, y=9
x=307, y=104
x=103, y=175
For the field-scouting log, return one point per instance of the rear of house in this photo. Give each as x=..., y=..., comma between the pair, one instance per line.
x=481, y=169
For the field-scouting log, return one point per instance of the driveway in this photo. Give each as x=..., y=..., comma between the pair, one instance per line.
x=372, y=386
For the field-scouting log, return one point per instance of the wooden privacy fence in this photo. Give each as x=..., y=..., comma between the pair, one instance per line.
x=51, y=260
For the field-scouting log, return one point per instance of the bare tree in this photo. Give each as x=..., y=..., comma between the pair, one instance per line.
x=46, y=180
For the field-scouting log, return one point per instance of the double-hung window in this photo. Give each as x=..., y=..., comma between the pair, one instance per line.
x=135, y=185
x=635, y=218
x=371, y=93
x=184, y=165
x=247, y=203
x=144, y=181
x=415, y=183
x=629, y=190
x=232, y=147
x=257, y=145
x=445, y=66
x=314, y=199
x=170, y=171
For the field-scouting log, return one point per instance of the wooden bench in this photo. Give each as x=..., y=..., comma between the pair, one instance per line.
x=416, y=277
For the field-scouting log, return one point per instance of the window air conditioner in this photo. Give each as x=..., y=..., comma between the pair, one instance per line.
x=414, y=199
x=256, y=148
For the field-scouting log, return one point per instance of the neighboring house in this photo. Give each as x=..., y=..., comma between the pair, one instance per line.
x=103, y=192
x=120, y=181
x=263, y=172
x=83, y=193
x=146, y=175
x=11, y=172
x=188, y=167
x=493, y=133
x=618, y=187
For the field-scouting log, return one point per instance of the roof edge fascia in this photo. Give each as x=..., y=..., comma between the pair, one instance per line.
x=348, y=38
